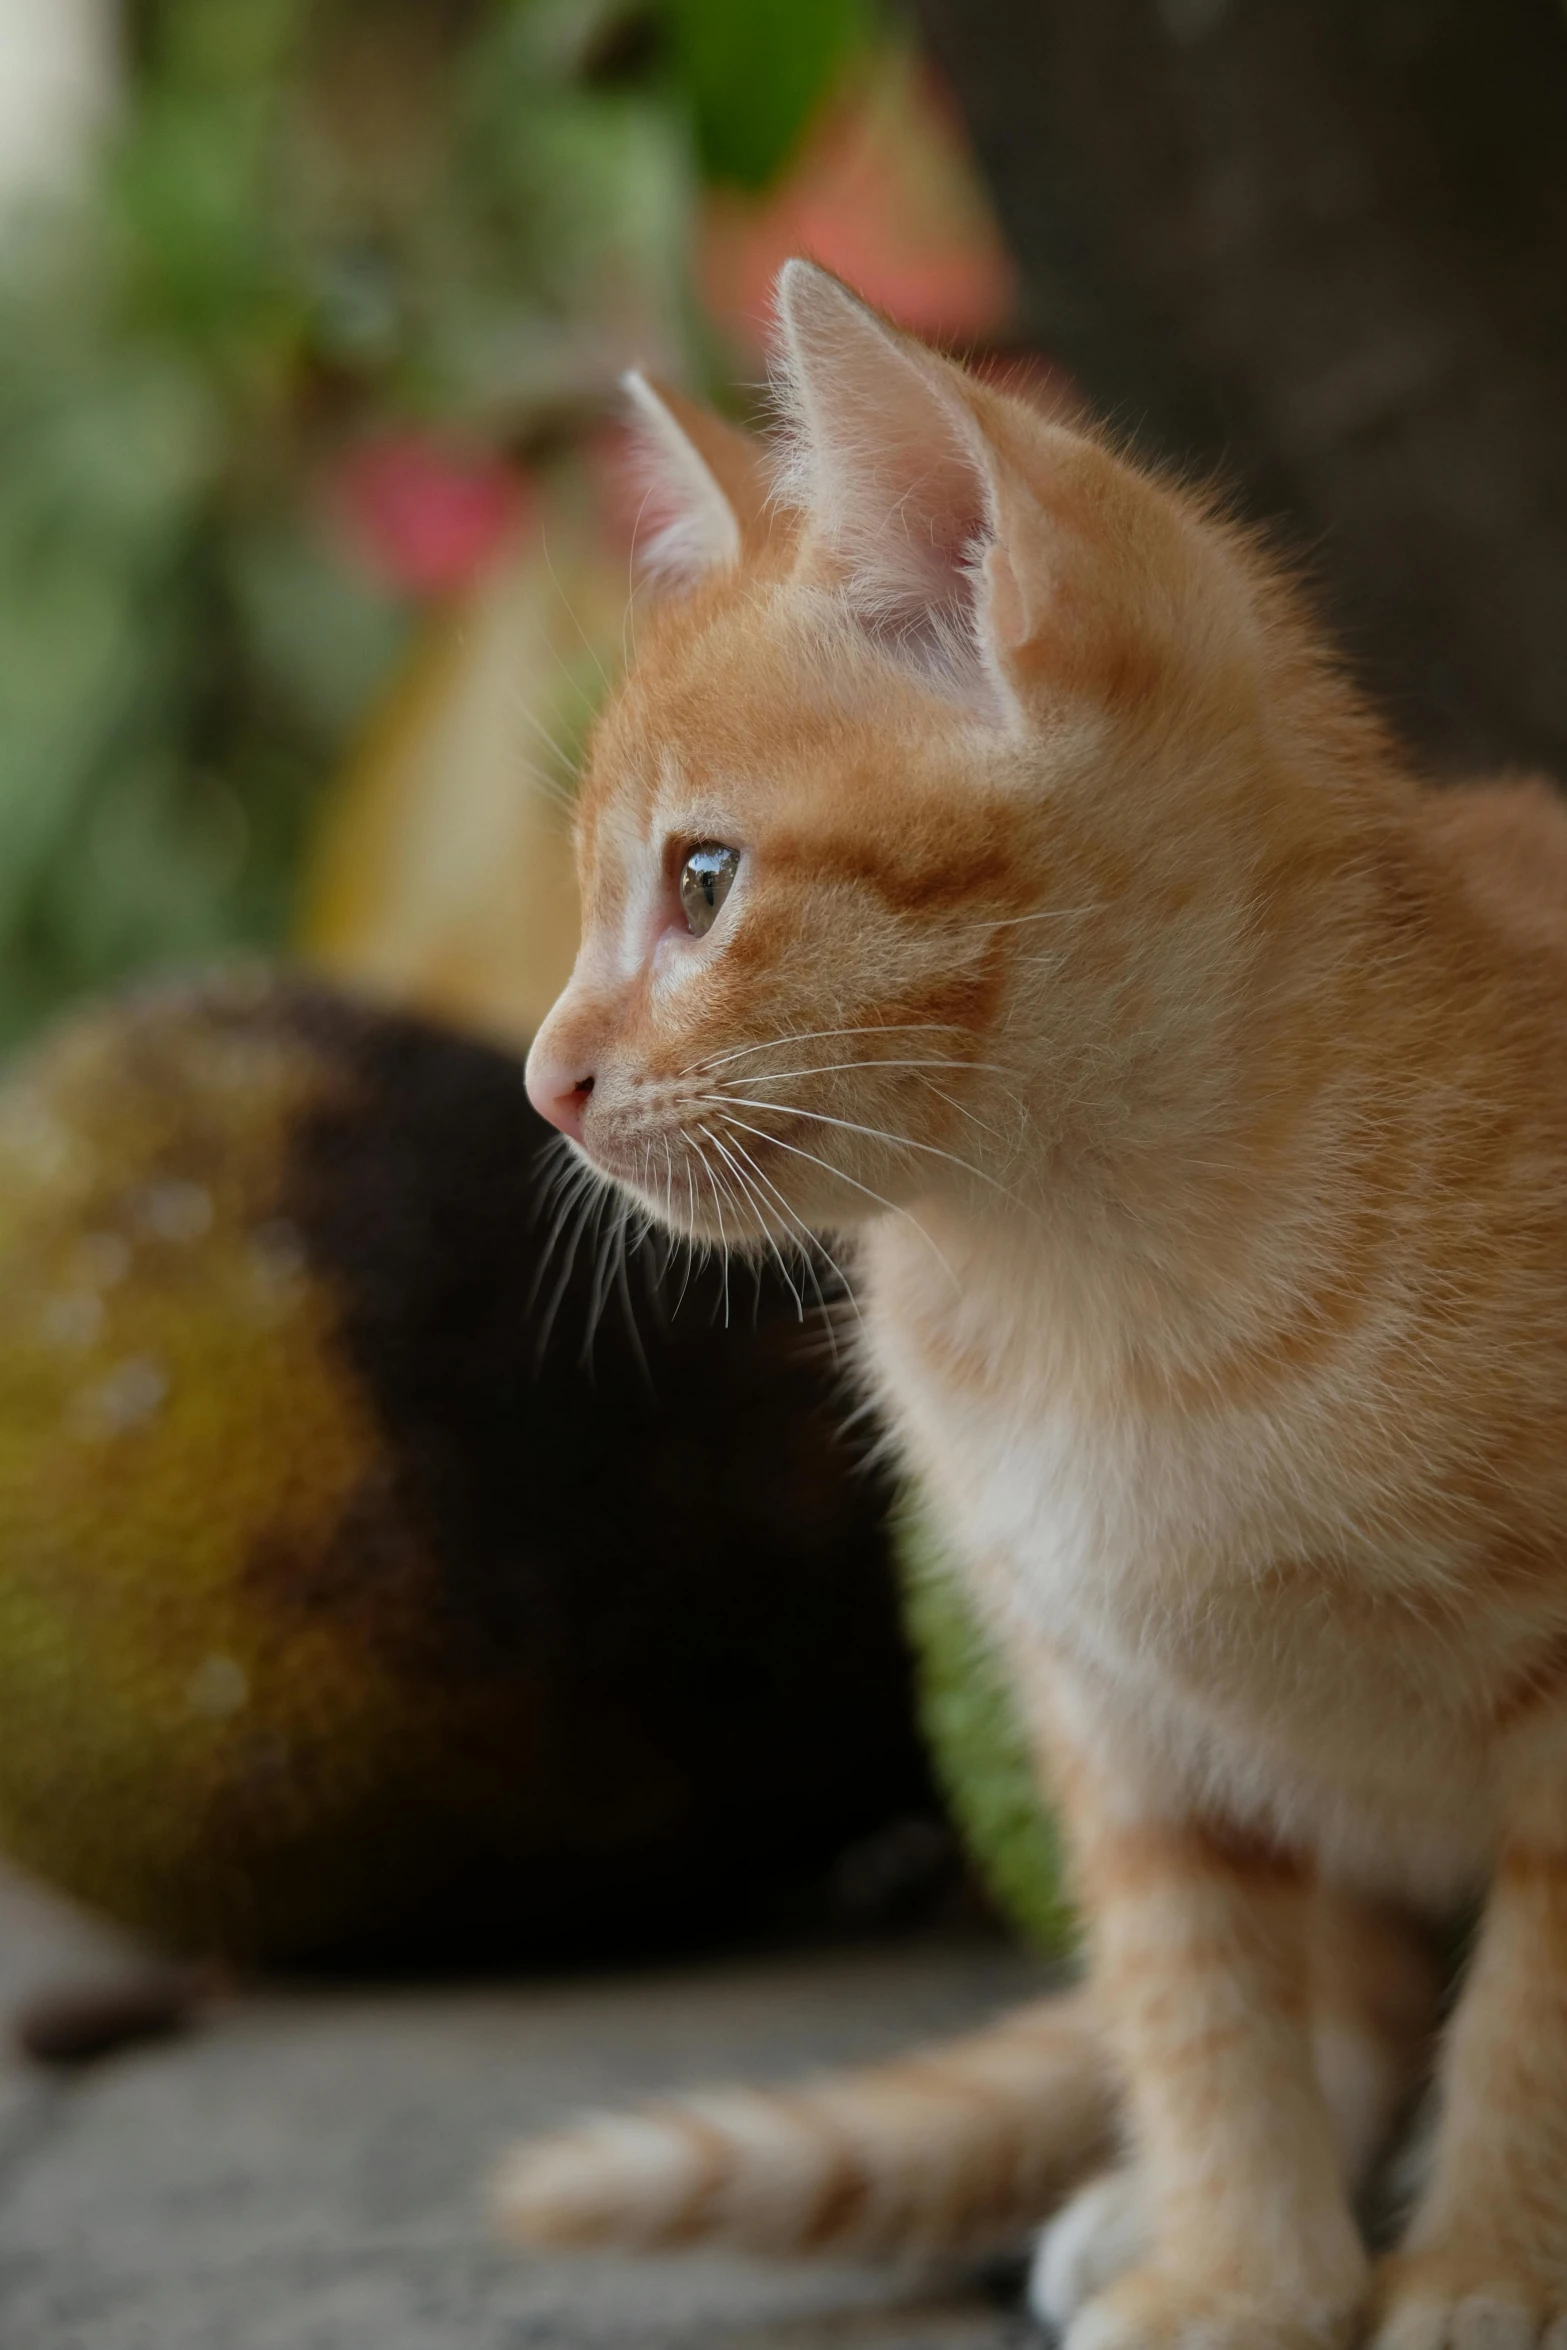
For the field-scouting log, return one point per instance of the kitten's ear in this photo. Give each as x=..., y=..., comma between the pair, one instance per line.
x=706, y=487
x=890, y=464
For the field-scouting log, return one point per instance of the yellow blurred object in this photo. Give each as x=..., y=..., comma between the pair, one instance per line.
x=166, y=1350
x=442, y=879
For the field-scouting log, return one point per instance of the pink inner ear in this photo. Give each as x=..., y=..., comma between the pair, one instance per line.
x=892, y=470
x=1008, y=619
x=908, y=500
x=689, y=525
x=944, y=514
x=917, y=531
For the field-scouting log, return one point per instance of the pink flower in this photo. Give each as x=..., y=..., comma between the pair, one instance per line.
x=884, y=194
x=424, y=517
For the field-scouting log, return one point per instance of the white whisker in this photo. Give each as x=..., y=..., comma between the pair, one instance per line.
x=623, y=1284
x=821, y=1035
x=875, y=1133
x=566, y=765
x=1045, y=914
x=749, y=1190
x=836, y=1068
x=552, y=788
x=580, y=1203
x=691, y=1244
x=811, y=1245
x=570, y=610
x=712, y=1185
x=953, y=1103
x=854, y=1184
x=602, y=1252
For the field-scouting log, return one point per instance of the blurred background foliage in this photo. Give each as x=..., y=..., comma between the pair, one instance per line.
x=317, y=552
x=317, y=345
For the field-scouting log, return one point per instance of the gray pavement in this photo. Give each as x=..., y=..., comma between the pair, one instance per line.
x=302, y=2173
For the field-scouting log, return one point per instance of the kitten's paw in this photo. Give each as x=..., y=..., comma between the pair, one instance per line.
x=1093, y=2239
x=1147, y=2310
x=1466, y=2301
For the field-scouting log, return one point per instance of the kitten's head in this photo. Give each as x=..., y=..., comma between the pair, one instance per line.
x=854, y=826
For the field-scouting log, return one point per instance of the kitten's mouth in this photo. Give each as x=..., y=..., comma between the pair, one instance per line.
x=702, y=1186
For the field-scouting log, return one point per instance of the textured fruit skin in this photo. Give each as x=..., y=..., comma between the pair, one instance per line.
x=333, y=1612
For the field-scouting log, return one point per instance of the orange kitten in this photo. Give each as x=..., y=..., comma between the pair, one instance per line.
x=985, y=857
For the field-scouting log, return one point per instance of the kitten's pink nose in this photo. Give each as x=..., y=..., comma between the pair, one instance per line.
x=559, y=1092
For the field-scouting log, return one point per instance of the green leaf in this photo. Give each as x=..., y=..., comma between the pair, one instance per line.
x=226, y=44
x=756, y=72
x=978, y=1743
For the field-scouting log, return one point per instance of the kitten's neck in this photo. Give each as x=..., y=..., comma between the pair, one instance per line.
x=1189, y=1180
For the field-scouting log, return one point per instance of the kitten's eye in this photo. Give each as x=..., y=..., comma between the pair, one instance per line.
x=706, y=878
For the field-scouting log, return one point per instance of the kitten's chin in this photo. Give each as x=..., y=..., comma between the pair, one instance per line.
x=724, y=1208
x=696, y=1221
x=675, y=1207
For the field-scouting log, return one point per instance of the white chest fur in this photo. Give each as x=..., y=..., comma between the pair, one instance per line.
x=1205, y=1579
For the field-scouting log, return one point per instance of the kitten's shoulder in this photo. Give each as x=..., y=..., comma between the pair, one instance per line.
x=1509, y=842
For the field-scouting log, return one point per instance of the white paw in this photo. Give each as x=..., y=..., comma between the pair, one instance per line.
x=1484, y=2320
x=1093, y=2239
x=1145, y=2310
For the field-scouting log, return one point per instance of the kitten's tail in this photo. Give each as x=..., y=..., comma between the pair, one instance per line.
x=954, y=2148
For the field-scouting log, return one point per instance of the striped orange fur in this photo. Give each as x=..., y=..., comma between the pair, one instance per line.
x=936, y=2151
x=986, y=866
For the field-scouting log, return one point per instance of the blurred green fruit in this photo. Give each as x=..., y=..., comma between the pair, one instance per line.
x=977, y=1740
x=340, y=1607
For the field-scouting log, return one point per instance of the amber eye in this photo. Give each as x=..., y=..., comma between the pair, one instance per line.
x=706, y=878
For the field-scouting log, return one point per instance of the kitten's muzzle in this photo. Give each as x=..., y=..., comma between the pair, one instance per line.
x=559, y=1091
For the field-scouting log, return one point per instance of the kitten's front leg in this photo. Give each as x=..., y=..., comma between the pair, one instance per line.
x=1199, y=1953
x=1484, y=2265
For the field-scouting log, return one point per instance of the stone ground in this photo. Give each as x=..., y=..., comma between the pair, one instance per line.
x=302, y=2172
